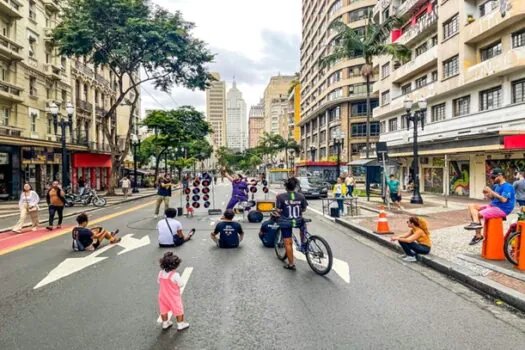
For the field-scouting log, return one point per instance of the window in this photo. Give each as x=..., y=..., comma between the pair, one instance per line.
x=4, y=74
x=354, y=71
x=337, y=93
x=63, y=62
x=518, y=39
x=33, y=122
x=64, y=97
x=461, y=106
x=385, y=70
x=86, y=92
x=32, y=10
x=359, y=108
x=375, y=129
x=336, y=6
x=392, y=124
x=438, y=112
x=435, y=75
x=420, y=82
x=490, y=51
x=450, y=67
x=434, y=40
x=357, y=89
x=322, y=120
x=421, y=49
x=334, y=114
x=518, y=91
x=334, y=77
x=385, y=97
x=405, y=89
x=358, y=129
x=362, y=13
x=386, y=13
x=450, y=27
x=49, y=126
x=357, y=147
x=32, y=44
x=32, y=86
x=488, y=7
x=4, y=120
x=322, y=153
x=382, y=126
x=490, y=99
x=322, y=136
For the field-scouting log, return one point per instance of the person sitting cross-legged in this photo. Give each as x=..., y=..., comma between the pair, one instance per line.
x=230, y=232
x=170, y=231
x=269, y=230
x=85, y=238
x=502, y=203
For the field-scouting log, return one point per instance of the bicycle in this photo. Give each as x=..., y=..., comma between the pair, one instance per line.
x=511, y=243
x=315, y=255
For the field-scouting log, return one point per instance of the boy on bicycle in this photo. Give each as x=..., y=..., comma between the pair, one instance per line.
x=291, y=206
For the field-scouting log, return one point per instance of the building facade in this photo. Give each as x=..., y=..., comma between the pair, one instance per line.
x=277, y=88
x=33, y=76
x=255, y=124
x=236, y=123
x=333, y=97
x=468, y=63
x=294, y=113
x=216, y=110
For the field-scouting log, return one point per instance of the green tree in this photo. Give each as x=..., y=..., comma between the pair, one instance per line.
x=349, y=43
x=296, y=81
x=130, y=36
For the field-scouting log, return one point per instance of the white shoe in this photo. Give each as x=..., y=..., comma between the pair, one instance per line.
x=410, y=259
x=182, y=326
x=166, y=324
x=403, y=256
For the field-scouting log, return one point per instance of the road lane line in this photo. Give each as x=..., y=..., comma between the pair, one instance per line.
x=64, y=231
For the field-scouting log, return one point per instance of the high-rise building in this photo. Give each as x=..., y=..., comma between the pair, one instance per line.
x=255, y=124
x=216, y=110
x=236, y=123
x=333, y=97
x=468, y=64
x=33, y=77
x=277, y=88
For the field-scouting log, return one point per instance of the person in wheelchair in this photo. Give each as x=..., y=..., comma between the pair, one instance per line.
x=269, y=230
x=291, y=206
x=90, y=238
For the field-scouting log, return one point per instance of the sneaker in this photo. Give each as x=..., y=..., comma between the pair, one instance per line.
x=49, y=228
x=166, y=324
x=409, y=259
x=117, y=240
x=474, y=226
x=476, y=240
x=182, y=326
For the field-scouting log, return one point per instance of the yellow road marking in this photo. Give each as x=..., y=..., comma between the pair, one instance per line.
x=64, y=231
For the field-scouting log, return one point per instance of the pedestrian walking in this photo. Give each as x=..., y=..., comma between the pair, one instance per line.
x=81, y=186
x=395, y=191
x=340, y=191
x=519, y=188
x=28, y=205
x=350, y=183
x=126, y=185
x=55, y=198
x=163, y=193
x=416, y=241
x=170, y=298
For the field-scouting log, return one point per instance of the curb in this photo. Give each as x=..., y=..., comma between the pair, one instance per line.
x=87, y=210
x=457, y=272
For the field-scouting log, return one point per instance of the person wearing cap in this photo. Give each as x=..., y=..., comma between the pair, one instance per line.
x=503, y=199
x=269, y=230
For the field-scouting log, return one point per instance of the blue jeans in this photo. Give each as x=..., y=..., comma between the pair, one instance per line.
x=340, y=202
x=414, y=248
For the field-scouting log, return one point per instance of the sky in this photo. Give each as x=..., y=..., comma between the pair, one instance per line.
x=253, y=40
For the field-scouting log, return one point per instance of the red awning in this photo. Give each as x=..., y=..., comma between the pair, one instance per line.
x=514, y=142
x=91, y=160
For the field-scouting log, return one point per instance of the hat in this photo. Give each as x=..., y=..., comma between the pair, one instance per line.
x=496, y=171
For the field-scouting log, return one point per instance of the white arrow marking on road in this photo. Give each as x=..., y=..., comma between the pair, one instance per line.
x=129, y=243
x=72, y=265
x=339, y=266
x=185, y=277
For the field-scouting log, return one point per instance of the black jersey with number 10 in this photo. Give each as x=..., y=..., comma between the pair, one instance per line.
x=291, y=204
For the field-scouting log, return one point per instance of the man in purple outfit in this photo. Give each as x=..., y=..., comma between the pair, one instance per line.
x=239, y=189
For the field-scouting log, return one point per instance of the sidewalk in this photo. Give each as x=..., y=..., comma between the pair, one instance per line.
x=9, y=212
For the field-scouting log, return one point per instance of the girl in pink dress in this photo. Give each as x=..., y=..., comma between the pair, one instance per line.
x=170, y=300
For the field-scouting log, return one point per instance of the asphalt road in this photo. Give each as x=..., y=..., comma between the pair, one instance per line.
x=242, y=298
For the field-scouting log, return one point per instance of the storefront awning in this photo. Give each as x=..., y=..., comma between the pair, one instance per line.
x=91, y=160
x=372, y=162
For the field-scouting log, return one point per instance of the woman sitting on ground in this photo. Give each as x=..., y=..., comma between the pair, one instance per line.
x=89, y=239
x=416, y=241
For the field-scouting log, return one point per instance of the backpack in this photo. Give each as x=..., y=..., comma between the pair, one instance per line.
x=76, y=245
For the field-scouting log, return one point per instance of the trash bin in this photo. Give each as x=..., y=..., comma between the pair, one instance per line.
x=334, y=212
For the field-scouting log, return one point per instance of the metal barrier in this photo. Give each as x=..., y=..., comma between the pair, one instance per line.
x=350, y=203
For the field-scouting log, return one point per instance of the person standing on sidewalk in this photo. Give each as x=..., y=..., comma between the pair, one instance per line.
x=395, y=191
x=81, y=186
x=126, y=185
x=519, y=188
x=350, y=183
x=55, y=200
x=416, y=241
x=340, y=192
x=28, y=205
x=163, y=194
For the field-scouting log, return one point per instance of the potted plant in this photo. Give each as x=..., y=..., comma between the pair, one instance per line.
x=470, y=19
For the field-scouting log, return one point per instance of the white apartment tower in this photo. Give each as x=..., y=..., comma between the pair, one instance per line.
x=236, y=124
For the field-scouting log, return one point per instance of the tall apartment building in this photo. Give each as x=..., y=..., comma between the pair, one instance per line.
x=279, y=116
x=216, y=110
x=255, y=124
x=277, y=88
x=33, y=77
x=236, y=123
x=468, y=63
x=332, y=97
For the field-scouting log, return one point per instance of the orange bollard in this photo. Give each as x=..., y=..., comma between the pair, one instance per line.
x=382, y=223
x=494, y=240
x=521, y=247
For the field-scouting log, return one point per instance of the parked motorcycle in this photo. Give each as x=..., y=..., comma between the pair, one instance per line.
x=89, y=196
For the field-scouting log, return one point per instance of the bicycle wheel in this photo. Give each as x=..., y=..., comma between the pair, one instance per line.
x=280, y=251
x=319, y=255
x=512, y=247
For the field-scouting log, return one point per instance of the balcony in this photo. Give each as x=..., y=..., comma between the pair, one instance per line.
x=495, y=21
x=423, y=27
x=417, y=66
x=9, y=92
x=7, y=131
x=380, y=7
x=52, y=72
x=10, y=49
x=84, y=106
x=508, y=62
x=100, y=112
x=52, y=5
x=82, y=68
x=11, y=8
x=396, y=103
x=102, y=81
x=408, y=6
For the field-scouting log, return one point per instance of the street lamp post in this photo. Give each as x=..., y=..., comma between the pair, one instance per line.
x=312, y=152
x=135, y=143
x=338, y=137
x=63, y=125
x=418, y=116
x=292, y=161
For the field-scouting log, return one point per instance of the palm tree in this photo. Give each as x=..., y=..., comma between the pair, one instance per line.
x=296, y=81
x=286, y=145
x=372, y=42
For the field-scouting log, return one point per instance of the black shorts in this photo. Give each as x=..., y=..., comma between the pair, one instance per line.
x=177, y=242
x=395, y=197
x=226, y=246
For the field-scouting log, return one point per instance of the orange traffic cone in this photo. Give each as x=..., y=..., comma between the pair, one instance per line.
x=382, y=223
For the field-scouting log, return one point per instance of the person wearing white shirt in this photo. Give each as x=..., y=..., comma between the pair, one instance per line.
x=28, y=205
x=170, y=231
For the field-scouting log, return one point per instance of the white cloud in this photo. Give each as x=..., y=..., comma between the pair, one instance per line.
x=253, y=40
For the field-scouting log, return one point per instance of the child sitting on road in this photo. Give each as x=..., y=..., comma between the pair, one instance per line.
x=90, y=239
x=170, y=300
